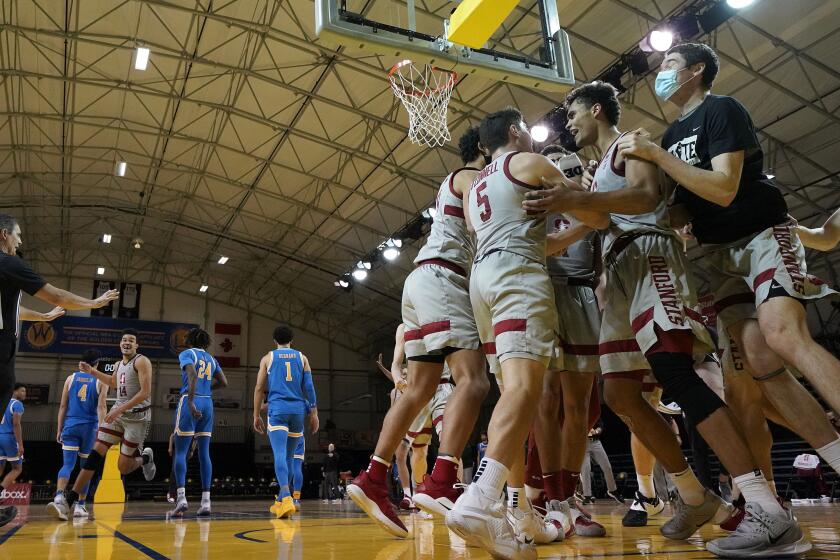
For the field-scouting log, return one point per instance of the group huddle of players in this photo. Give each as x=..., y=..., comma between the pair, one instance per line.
x=520, y=245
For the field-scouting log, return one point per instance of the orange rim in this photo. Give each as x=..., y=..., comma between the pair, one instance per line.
x=448, y=84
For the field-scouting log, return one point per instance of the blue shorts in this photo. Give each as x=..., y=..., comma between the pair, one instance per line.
x=300, y=449
x=291, y=423
x=79, y=438
x=9, y=450
x=187, y=425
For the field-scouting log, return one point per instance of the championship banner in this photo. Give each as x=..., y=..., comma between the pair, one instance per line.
x=99, y=288
x=129, y=300
x=17, y=494
x=74, y=335
x=228, y=344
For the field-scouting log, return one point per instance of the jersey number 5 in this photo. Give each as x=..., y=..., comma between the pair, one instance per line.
x=482, y=200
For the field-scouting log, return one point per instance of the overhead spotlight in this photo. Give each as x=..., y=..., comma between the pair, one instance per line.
x=769, y=174
x=106, y=238
x=100, y=270
x=203, y=288
x=363, y=265
x=539, y=133
x=137, y=243
x=223, y=260
x=120, y=171
x=141, y=58
x=390, y=253
x=396, y=241
x=739, y=4
x=660, y=39
x=360, y=274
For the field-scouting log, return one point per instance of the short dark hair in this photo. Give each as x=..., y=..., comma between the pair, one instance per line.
x=283, y=334
x=131, y=332
x=493, y=129
x=7, y=222
x=555, y=149
x=468, y=145
x=694, y=53
x=91, y=357
x=599, y=92
x=198, y=338
x=18, y=386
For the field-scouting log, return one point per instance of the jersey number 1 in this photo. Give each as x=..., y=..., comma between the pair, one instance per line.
x=482, y=200
x=288, y=371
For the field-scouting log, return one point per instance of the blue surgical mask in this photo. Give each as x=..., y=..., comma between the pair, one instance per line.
x=666, y=84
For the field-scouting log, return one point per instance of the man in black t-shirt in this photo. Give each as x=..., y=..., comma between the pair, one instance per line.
x=757, y=264
x=16, y=276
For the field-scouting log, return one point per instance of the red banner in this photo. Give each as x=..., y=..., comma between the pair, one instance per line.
x=17, y=494
x=228, y=338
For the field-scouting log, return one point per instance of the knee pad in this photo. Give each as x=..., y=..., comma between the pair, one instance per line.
x=95, y=461
x=675, y=372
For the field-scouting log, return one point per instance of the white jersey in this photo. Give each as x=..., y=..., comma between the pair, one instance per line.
x=609, y=178
x=495, y=207
x=128, y=383
x=449, y=239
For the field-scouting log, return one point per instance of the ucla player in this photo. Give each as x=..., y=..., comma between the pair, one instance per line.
x=200, y=374
x=11, y=441
x=286, y=378
x=83, y=406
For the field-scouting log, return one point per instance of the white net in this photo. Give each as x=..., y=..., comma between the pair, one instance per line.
x=425, y=93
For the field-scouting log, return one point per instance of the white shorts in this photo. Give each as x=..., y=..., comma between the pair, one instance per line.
x=579, y=328
x=436, y=310
x=513, y=302
x=129, y=430
x=431, y=416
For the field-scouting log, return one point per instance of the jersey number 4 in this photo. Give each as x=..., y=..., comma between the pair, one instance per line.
x=82, y=394
x=482, y=200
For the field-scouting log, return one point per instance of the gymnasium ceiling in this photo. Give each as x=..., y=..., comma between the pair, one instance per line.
x=246, y=137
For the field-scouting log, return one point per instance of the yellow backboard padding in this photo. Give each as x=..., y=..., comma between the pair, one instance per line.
x=474, y=21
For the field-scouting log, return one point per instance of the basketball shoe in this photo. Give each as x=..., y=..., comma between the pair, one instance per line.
x=641, y=509
x=436, y=498
x=80, y=511
x=283, y=509
x=482, y=521
x=582, y=522
x=372, y=498
x=149, y=468
x=59, y=507
x=762, y=535
x=687, y=519
x=530, y=525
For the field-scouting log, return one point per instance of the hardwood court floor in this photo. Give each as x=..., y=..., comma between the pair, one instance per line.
x=244, y=531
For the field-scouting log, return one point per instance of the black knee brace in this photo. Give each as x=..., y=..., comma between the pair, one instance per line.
x=94, y=461
x=675, y=372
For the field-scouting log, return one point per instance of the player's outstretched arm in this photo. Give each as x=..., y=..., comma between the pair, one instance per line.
x=107, y=379
x=69, y=300
x=560, y=241
x=62, y=408
x=824, y=238
x=32, y=315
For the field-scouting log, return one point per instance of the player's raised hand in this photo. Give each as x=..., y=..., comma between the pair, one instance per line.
x=588, y=175
x=259, y=425
x=85, y=367
x=105, y=298
x=638, y=144
x=53, y=314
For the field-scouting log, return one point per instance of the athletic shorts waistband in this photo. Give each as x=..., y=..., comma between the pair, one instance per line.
x=445, y=264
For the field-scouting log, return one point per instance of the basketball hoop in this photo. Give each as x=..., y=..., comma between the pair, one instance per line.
x=425, y=93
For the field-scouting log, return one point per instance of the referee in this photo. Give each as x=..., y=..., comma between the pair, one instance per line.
x=17, y=275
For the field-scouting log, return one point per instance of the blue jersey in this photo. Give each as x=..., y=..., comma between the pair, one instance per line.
x=290, y=388
x=7, y=426
x=82, y=400
x=205, y=366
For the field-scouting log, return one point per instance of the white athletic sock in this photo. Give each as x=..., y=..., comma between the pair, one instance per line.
x=646, y=486
x=517, y=499
x=690, y=489
x=491, y=476
x=205, y=497
x=755, y=489
x=831, y=454
x=182, y=494
x=407, y=492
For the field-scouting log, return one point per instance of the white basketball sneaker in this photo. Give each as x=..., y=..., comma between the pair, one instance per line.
x=529, y=525
x=149, y=468
x=481, y=521
x=80, y=511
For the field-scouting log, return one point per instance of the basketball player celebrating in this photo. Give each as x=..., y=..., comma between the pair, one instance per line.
x=125, y=424
x=650, y=318
x=200, y=374
x=83, y=407
x=513, y=302
x=286, y=378
x=439, y=327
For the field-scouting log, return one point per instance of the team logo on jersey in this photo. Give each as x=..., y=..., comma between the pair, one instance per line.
x=178, y=340
x=40, y=335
